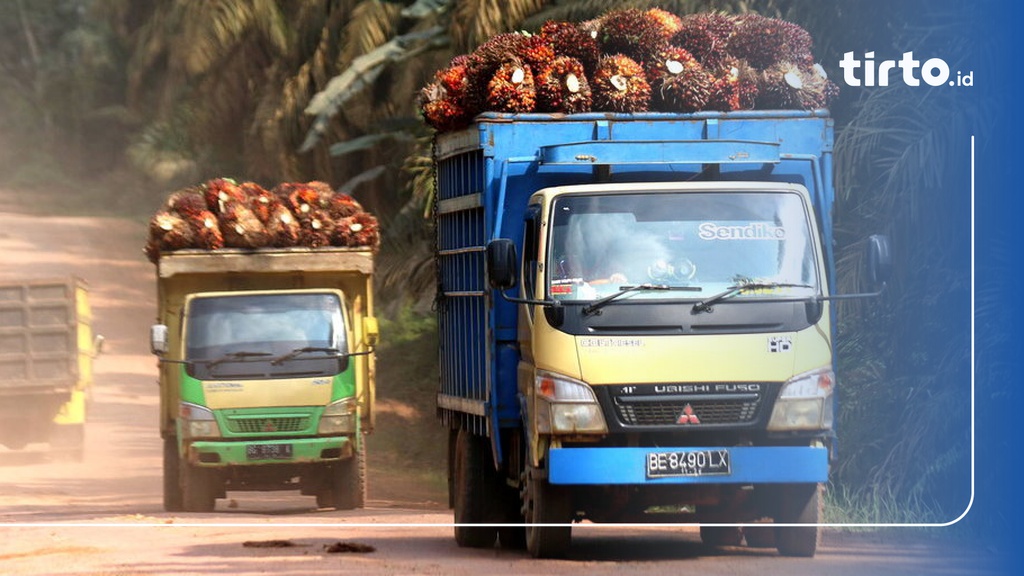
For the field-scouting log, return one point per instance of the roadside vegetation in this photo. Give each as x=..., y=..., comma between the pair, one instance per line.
x=110, y=104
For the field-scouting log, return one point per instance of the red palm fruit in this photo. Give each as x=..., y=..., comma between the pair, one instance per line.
x=706, y=36
x=188, y=202
x=360, y=229
x=302, y=199
x=511, y=89
x=669, y=22
x=764, y=42
x=260, y=201
x=562, y=87
x=536, y=51
x=678, y=81
x=482, y=64
x=620, y=85
x=315, y=228
x=445, y=114
x=342, y=205
x=633, y=33
x=789, y=86
x=571, y=40
x=282, y=227
x=207, y=231
x=167, y=232
x=220, y=191
x=241, y=228
x=734, y=88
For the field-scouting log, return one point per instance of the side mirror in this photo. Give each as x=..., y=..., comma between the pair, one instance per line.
x=158, y=339
x=501, y=263
x=98, y=343
x=371, y=331
x=878, y=260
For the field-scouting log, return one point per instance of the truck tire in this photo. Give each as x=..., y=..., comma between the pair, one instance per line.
x=474, y=485
x=544, y=503
x=199, y=488
x=349, y=483
x=798, y=504
x=173, y=501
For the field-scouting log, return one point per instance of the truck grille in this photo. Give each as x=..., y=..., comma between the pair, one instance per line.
x=667, y=413
x=688, y=404
x=265, y=425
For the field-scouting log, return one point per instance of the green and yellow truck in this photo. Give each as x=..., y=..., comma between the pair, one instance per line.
x=266, y=373
x=47, y=349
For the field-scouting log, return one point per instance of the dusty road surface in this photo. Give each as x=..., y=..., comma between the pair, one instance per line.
x=103, y=516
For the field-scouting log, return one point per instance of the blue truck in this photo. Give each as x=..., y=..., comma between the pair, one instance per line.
x=636, y=324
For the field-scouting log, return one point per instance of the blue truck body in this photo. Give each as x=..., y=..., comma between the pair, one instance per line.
x=485, y=176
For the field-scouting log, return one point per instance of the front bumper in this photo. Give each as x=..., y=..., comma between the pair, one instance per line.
x=220, y=453
x=750, y=465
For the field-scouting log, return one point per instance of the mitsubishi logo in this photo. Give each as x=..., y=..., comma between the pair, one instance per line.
x=268, y=426
x=688, y=417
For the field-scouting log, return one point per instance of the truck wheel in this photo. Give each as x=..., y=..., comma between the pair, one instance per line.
x=474, y=482
x=798, y=504
x=544, y=503
x=173, y=501
x=349, y=481
x=199, y=488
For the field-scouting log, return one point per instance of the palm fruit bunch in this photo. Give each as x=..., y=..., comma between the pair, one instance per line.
x=563, y=87
x=482, y=64
x=511, y=88
x=764, y=41
x=573, y=41
x=443, y=101
x=679, y=83
x=788, y=85
x=633, y=60
x=638, y=34
x=735, y=86
x=222, y=213
x=620, y=85
x=706, y=36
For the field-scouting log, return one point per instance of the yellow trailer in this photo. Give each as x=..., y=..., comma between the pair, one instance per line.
x=46, y=353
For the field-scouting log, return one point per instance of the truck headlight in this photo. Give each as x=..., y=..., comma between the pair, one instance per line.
x=197, y=422
x=805, y=402
x=567, y=406
x=339, y=418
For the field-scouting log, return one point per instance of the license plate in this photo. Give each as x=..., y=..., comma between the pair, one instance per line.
x=268, y=451
x=688, y=463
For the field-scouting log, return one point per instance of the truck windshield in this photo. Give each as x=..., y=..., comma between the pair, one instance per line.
x=239, y=336
x=704, y=241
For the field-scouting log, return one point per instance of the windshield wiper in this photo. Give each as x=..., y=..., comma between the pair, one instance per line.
x=232, y=356
x=598, y=304
x=737, y=289
x=300, y=351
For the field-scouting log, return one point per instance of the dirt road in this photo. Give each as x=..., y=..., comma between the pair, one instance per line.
x=103, y=516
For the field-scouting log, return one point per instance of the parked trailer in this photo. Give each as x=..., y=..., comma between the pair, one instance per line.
x=46, y=351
